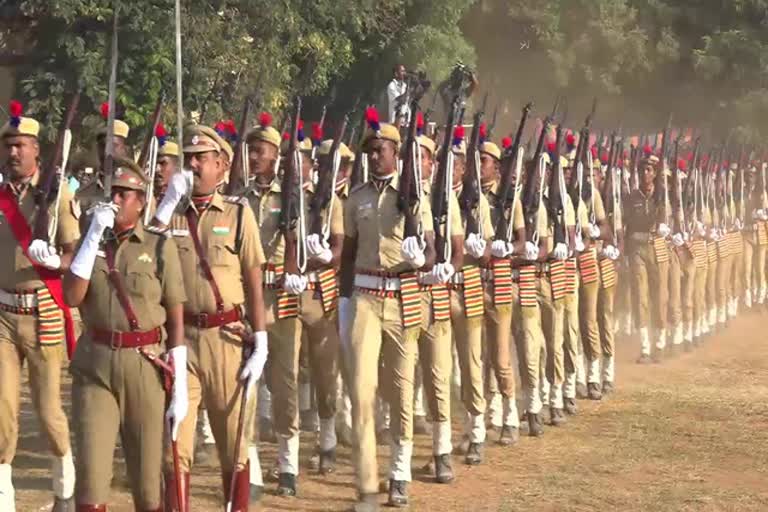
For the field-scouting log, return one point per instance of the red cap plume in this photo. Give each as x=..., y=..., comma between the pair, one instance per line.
x=286, y=136
x=419, y=120
x=15, y=108
x=551, y=147
x=160, y=130
x=229, y=127
x=483, y=130
x=506, y=142
x=265, y=119
x=220, y=128
x=458, y=132
x=570, y=140
x=682, y=164
x=593, y=150
x=604, y=157
x=371, y=115
x=317, y=131
x=647, y=150
x=105, y=110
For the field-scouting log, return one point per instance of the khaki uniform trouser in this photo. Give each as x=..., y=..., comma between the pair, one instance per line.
x=605, y=314
x=498, y=338
x=590, y=329
x=713, y=270
x=724, y=268
x=700, y=310
x=318, y=330
x=436, y=358
x=572, y=332
x=18, y=342
x=736, y=282
x=650, y=286
x=214, y=361
x=542, y=325
x=688, y=285
x=377, y=327
x=758, y=268
x=117, y=392
x=674, y=283
x=624, y=285
x=468, y=336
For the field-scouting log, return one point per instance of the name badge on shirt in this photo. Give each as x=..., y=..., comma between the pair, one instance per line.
x=179, y=232
x=221, y=230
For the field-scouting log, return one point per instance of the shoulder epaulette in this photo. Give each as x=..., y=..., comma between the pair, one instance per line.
x=235, y=200
x=156, y=230
x=357, y=187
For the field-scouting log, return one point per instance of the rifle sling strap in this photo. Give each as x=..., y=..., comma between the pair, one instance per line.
x=117, y=284
x=206, y=268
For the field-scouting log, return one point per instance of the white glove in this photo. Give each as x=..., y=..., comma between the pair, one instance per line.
x=594, y=231
x=531, y=251
x=663, y=230
x=43, y=254
x=474, y=245
x=757, y=214
x=579, y=243
x=179, y=406
x=738, y=224
x=294, y=284
x=345, y=322
x=412, y=252
x=677, y=239
x=103, y=217
x=560, y=252
x=714, y=234
x=178, y=186
x=254, y=365
x=442, y=273
x=501, y=248
x=686, y=236
x=763, y=214
x=319, y=249
x=611, y=252
x=701, y=229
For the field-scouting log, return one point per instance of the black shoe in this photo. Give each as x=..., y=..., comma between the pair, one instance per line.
x=366, y=503
x=255, y=492
x=544, y=414
x=327, y=462
x=570, y=407
x=644, y=359
x=509, y=435
x=63, y=505
x=581, y=391
x=421, y=426
x=443, y=469
x=398, y=493
x=534, y=425
x=557, y=417
x=474, y=454
x=273, y=475
x=286, y=485
x=607, y=387
x=595, y=393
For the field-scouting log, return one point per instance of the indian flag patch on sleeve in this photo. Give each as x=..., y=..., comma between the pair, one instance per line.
x=221, y=230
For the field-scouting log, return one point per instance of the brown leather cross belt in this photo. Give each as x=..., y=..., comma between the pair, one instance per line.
x=211, y=320
x=131, y=339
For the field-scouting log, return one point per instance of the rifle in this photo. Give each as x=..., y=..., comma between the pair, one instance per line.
x=470, y=190
x=408, y=200
x=493, y=120
x=359, y=172
x=442, y=184
x=109, y=151
x=236, y=174
x=154, y=120
x=49, y=192
x=556, y=204
x=505, y=184
x=326, y=182
x=532, y=189
x=290, y=211
x=662, y=192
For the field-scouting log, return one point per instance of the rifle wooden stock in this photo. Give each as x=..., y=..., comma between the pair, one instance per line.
x=325, y=185
x=47, y=193
x=470, y=189
x=153, y=122
x=505, y=183
x=236, y=177
x=289, y=213
x=439, y=192
x=408, y=200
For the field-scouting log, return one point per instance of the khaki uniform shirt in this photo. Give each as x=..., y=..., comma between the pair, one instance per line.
x=217, y=231
x=17, y=270
x=267, y=206
x=150, y=268
x=374, y=219
x=456, y=224
x=483, y=220
x=642, y=213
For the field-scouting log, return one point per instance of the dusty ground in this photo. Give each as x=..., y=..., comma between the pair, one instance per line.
x=688, y=435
